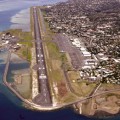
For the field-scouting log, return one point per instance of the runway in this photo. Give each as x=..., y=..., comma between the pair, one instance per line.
x=44, y=97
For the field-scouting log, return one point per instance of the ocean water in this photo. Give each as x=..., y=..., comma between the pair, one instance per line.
x=15, y=13
x=21, y=20
x=11, y=16
x=11, y=107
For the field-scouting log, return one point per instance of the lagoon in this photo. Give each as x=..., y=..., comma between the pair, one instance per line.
x=11, y=107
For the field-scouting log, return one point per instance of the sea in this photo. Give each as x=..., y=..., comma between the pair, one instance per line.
x=15, y=14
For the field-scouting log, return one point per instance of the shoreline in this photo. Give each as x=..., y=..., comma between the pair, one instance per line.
x=88, y=109
x=36, y=107
x=31, y=104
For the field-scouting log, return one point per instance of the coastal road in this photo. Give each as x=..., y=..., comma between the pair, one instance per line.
x=44, y=97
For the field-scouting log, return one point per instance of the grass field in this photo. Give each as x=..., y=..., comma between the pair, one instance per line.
x=25, y=39
x=54, y=61
x=83, y=88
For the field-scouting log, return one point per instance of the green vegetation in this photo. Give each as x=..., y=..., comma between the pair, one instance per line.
x=31, y=19
x=49, y=34
x=69, y=98
x=110, y=86
x=25, y=39
x=73, y=75
x=74, y=78
x=86, y=87
x=54, y=62
x=53, y=50
x=55, y=73
x=83, y=88
x=111, y=94
x=66, y=64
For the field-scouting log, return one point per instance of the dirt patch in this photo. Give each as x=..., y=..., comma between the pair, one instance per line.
x=62, y=89
x=17, y=79
x=112, y=99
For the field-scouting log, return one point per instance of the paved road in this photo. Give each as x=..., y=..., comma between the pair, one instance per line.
x=44, y=97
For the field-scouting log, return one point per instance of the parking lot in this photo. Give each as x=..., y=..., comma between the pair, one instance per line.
x=65, y=45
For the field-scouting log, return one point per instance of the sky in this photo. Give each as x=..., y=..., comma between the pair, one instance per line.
x=51, y=1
